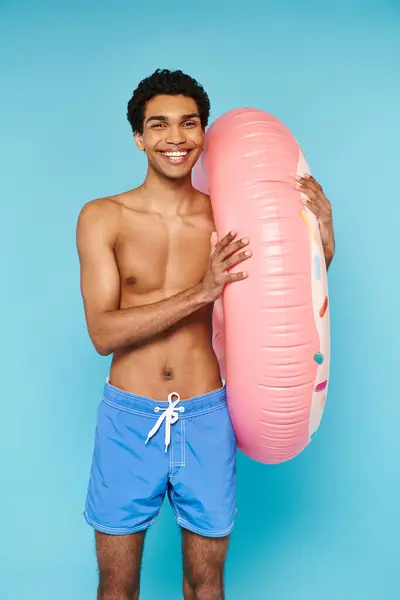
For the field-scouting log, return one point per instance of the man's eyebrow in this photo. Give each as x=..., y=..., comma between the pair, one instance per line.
x=157, y=118
x=190, y=116
x=164, y=118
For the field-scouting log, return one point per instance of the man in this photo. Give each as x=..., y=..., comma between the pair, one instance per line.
x=149, y=281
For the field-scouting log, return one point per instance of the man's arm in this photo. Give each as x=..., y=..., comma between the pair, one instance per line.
x=111, y=328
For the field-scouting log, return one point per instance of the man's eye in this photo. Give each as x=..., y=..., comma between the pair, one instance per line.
x=158, y=125
x=190, y=124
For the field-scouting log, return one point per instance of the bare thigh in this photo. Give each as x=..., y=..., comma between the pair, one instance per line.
x=119, y=559
x=203, y=566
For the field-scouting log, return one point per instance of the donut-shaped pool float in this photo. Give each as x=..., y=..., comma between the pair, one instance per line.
x=271, y=330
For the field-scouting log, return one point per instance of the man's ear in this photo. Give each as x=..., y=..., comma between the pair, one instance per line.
x=139, y=141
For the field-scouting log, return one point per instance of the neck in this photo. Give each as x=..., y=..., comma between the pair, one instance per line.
x=167, y=196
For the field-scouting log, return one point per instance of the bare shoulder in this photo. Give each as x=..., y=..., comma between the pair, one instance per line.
x=105, y=213
x=98, y=211
x=204, y=207
x=98, y=223
x=204, y=198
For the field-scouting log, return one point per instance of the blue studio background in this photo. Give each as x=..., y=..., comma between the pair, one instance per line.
x=321, y=527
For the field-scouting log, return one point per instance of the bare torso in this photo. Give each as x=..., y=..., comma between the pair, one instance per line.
x=159, y=256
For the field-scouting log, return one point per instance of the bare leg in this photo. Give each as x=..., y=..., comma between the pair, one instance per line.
x=203, y=566
x=119, y=558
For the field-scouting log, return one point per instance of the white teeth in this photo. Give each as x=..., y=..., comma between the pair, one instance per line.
x=175, y=154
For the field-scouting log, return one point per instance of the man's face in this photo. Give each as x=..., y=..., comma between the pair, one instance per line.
x=172, y=135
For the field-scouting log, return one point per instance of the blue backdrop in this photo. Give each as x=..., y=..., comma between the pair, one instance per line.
x=323, y=526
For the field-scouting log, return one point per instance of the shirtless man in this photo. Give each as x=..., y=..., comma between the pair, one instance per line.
x=149, y=279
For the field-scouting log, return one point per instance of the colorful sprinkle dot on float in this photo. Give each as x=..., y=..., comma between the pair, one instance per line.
x=319, y=358
x=308, y=223
x=317, y=267
x=323, y=401
x=324, y=307
x=321, y=386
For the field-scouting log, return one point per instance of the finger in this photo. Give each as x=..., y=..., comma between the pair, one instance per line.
x=315, y=194
x=315, y=182
x=306, y=186
x=226, y=240
x=308, y=178
x=319, y=200
x=236, y=276
x=311, y=188
x=235, y=260
x=312, y=206
x=233, y=247
x=302, y=178
x=312, y=194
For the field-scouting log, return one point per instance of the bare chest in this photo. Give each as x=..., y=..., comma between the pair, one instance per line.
x=162, y=257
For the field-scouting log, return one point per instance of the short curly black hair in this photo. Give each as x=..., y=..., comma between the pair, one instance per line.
x=164, y=81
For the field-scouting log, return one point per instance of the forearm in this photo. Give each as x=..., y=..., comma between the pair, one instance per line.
x=119, y=329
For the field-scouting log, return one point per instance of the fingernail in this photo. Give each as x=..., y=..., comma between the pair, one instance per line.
x=245, y=273
x=298, y=178
x=233, y=232
x=245, y=240
x=298, y=186
x=248, y=253
x=307, y=176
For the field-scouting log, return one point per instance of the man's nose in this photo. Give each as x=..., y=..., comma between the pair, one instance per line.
x=176, y=136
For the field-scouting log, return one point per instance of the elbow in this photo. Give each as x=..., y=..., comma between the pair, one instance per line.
x=101, y=345
x=100, y=334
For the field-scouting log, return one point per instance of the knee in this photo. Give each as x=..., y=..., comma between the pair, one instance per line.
x=211, y=590
x=208, y=593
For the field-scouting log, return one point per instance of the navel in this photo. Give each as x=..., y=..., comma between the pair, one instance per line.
x=168, y=373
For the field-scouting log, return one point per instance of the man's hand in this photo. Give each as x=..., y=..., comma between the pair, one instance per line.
x=319, y=204
x=222, y=258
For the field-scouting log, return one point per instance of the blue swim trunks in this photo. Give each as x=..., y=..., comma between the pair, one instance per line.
x=145, y=449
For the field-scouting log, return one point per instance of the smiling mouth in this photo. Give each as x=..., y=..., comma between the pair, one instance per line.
x=177, y=157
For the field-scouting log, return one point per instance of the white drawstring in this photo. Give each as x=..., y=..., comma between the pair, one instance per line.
x=170, y=415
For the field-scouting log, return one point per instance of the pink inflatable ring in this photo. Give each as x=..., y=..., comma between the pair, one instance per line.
x=271, y=330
